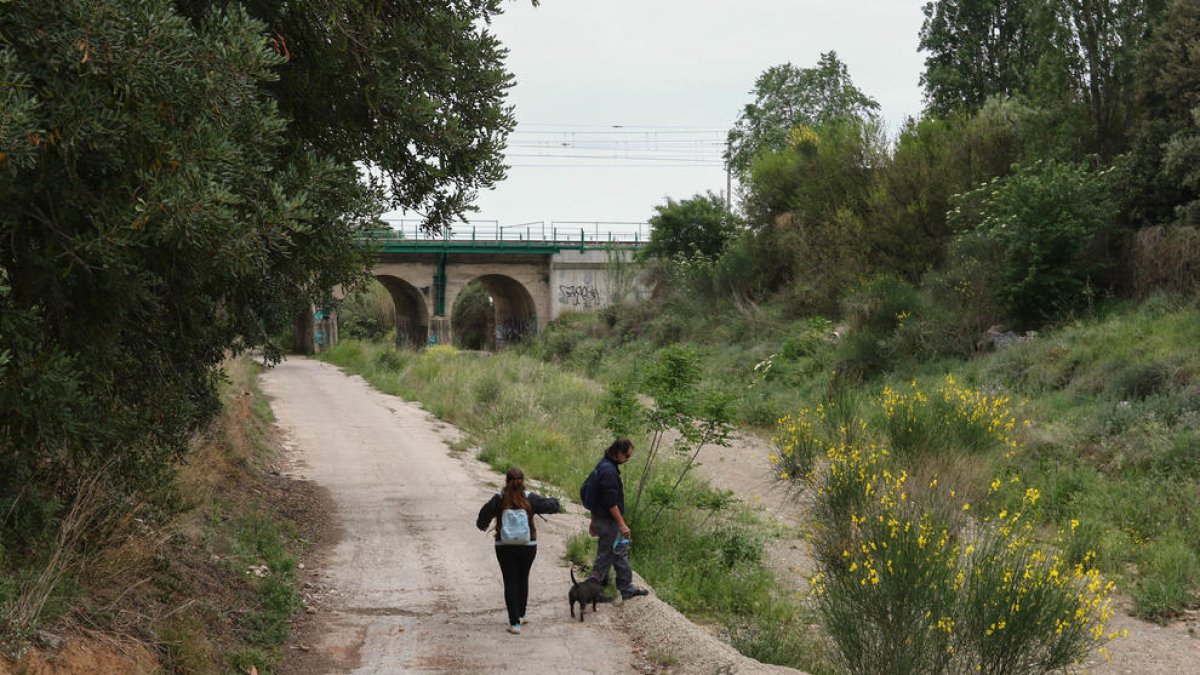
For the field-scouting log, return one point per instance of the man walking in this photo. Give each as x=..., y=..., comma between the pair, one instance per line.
x=608, y=521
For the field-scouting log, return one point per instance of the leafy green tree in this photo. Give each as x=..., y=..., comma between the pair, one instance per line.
x=1074, y=58
x=1046, y=228
x=411, y=91
x=934, y=159
x=1105, y=38
x=180, y=178
x=976, y=49
x=1181, y=164
x=695, y=417
x=700, y=226
x=1169, y=77
x=806, y=206
x=787, y=97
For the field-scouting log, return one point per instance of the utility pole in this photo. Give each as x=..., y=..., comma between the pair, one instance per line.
x=728, y=175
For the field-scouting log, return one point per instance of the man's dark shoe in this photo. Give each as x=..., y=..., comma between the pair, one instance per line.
x=605, y=597
x=634, y=592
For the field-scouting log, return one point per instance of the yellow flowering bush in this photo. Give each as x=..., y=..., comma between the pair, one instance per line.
x=951, y=418
x=797, y=446
x=885, y=567
x=1025, y=609
x=911, y=580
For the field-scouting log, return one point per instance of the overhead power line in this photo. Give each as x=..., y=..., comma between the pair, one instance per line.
x=621, y=126
x=615, y=156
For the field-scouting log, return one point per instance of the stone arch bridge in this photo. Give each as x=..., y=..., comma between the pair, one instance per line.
x=530, y=283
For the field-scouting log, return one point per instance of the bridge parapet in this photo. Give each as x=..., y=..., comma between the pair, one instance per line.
x=557, y=234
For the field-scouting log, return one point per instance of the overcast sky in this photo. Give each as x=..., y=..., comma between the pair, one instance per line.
x=650, y=87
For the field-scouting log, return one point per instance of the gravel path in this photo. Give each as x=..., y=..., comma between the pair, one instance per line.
x=412, y=586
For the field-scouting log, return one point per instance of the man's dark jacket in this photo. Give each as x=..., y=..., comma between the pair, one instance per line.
x=610, y=488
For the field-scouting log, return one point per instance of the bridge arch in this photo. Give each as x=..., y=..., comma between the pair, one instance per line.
x=412, y=310
x=514, y=310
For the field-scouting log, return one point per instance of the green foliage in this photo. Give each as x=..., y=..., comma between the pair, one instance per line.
x=260, y=541
x=950, y=420
x=620, y=411
x=933, y=160
x=874, y=311
x=699, y=226
x=369, y=314
x=976, y=49
x=807, y=206
x=1180, y=161
x=472, y=317
x=1068, y=58
x=184, y=179
x=1048, y=223
x=1168, y=80
x=787, y=98
x=906, y=584
x=415, y=90
x=696, y=417
x=1172, y=573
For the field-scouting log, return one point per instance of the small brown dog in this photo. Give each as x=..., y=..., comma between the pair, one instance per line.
x=583, y=592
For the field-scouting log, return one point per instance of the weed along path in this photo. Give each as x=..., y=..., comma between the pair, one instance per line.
x=411, y=586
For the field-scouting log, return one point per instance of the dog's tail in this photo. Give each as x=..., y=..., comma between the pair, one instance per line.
x=573, y=582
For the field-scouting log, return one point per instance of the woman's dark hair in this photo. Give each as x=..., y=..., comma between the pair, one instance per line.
x=621, y=446
x=513, y=497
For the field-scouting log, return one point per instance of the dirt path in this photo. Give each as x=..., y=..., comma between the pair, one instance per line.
x=1149, y=649
x=412, y=586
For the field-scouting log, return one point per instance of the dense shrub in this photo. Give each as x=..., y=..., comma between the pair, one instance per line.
x=1048, y=223
x=699, y=226
x=874, y=312
x=906, y=582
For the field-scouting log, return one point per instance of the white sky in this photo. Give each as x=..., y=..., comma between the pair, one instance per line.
x=674, y=75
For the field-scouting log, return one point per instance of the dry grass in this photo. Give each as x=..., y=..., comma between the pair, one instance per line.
x=1166, y=259
x=25, y=611
x=159, y=578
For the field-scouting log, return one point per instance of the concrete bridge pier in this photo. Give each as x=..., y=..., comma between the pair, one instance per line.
x=439, y=331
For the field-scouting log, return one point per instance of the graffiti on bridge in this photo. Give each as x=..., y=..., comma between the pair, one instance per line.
x=576, y=296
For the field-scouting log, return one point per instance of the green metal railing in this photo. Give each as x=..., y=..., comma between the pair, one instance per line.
x=491, y=237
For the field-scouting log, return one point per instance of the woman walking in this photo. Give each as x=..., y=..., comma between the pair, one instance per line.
x=512, y=511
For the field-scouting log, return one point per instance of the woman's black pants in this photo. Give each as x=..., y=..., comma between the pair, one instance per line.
x=515, y=562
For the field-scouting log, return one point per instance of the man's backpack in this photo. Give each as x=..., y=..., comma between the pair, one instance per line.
x=514, y=527
x=589, y=492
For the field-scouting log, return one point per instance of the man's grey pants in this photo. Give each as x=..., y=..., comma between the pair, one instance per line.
x=607, y=529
